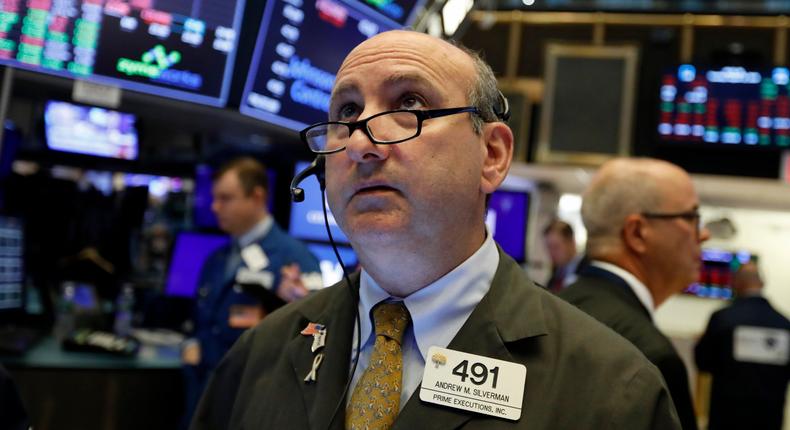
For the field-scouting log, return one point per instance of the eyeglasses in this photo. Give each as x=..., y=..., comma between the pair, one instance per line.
x=692, y=216
x=385, y=128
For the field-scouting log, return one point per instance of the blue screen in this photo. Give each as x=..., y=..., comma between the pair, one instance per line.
x=300, y=46
x=307, y=217
x=331, y=271
x=90, y=130
x=189, y=254
x=507, y=217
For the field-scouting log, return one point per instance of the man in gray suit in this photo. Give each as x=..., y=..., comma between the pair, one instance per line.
x=643, y=240
x=453, y=334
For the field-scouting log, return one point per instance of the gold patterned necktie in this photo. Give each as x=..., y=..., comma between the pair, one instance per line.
x=375, y=402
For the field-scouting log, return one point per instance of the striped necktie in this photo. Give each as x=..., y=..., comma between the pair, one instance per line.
x=375, y=402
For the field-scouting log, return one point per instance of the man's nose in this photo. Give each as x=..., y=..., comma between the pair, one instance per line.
x=361, y=149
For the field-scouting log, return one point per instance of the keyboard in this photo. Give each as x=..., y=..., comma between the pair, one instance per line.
x=18, y=340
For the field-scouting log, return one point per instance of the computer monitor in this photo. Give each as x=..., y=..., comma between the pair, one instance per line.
x=190, y=252
x=718, y=268
x=90, y=130
x=307, y=217
x=730, y=105
x=12, y=268
x=331, y=272
x=178, y=49
x=300, y=46
x=507, y=218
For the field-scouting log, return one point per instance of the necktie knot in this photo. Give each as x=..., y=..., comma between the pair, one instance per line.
x=390, y=320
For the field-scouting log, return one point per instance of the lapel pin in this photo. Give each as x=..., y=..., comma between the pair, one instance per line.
x=438, y=360
x=312, y=328
x=311, y=377
x=318, y=331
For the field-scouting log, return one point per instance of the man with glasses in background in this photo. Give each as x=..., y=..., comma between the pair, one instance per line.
x=643, y=240
x=452, y=333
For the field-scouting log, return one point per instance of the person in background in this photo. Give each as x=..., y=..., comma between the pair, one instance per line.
x=746, y=347
x=261, y=268
x=416, y=143
x=561, y=246
x=643, y=242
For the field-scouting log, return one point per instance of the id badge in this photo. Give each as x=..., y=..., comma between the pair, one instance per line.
x=473, y=383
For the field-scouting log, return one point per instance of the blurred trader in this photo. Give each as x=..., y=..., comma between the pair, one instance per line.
x=561, y=245
x=643, y=241
x=261, y=268
x=419, y=146
x=747, y=349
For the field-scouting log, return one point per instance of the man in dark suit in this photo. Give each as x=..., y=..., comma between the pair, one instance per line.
x=416, y=144
x=643, y=240
x=746, y=348
x=561, y=246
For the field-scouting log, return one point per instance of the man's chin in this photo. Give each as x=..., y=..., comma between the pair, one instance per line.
x=377, y=228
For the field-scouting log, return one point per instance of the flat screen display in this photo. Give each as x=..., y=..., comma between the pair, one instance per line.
x=725, y=106
x=331, y=272
x=718, y=268
x=90, y=130
x=307, y=217
x=172, y=48
x=400, y=12
x=189, y=254
x=12, y=274
x=507, y=218
x=300, y=46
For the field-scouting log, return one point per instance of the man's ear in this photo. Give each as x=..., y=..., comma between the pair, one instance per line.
x=634, y=230
x=497, y=155
x=259, y=194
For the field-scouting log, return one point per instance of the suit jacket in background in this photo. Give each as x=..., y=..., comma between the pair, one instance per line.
x=580, y=375
x=744, y=394
x=609, y=299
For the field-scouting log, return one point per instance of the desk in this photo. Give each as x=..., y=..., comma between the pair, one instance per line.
x=85, y=391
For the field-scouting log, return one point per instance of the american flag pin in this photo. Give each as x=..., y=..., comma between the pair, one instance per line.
x=313, y=328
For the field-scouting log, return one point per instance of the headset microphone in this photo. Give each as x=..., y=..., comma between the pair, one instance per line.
x=315, y=168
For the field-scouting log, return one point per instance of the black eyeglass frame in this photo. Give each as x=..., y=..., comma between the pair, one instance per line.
x=692, y=216
x=362, y=124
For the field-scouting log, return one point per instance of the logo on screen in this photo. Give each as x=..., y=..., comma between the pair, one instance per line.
x=156, y=64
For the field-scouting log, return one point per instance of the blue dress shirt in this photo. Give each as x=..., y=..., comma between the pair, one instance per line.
x=437, y=311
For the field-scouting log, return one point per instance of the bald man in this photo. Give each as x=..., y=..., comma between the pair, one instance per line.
x=746, y=347
x=643, y=240
x=453, y=333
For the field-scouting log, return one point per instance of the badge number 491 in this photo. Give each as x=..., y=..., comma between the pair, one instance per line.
x=474, y=383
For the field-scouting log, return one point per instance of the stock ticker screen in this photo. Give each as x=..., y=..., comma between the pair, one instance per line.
x=182, y=49
x=726, y=106
x=402, y=12
x=300, y=46
x=716, y=273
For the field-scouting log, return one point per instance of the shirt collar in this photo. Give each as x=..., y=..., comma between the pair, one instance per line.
x=439, y=310
x=258, y=231
x=638, y=287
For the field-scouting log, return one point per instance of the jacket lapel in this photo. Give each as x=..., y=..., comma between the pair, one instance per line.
x=511, y=311
x=322, y=396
